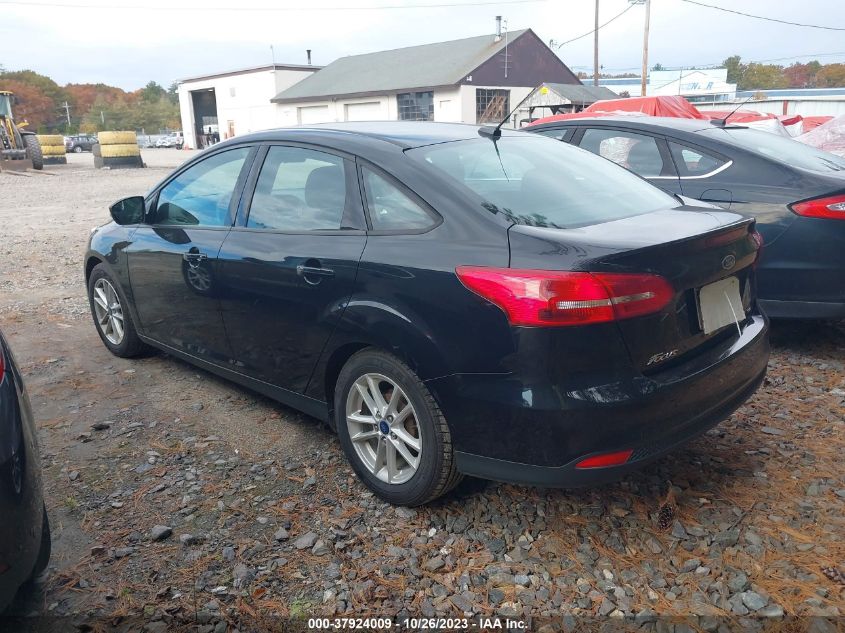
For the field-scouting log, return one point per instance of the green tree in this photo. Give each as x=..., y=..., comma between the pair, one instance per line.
x=173, y=92
x=658, y=66
x=763, y=77
x=152, y=92
x=735, y=69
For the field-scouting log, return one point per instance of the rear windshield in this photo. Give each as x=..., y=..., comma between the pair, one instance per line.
x=780, y=148
x=542, y=182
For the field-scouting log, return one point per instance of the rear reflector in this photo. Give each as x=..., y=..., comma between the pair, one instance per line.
x=832, y=208
x=608, y=459
x=557, y=298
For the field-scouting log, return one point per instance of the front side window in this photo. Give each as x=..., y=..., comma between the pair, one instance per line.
x=537, y=181
x=391, y=209
x=491, y=105
x=637, y=152
x=299, y=189
x=692, y=162
x=201, y=195
x=415, y=106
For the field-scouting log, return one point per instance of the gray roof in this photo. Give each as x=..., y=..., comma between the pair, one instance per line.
x=426, y=66
x=251, y=69
x=578, y=93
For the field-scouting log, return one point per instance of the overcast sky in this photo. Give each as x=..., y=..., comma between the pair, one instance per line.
x=127, y=45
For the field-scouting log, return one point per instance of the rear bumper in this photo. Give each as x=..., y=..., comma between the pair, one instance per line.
x=802, y=309
x=506, y=430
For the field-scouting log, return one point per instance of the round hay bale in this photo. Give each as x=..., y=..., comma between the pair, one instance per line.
x=49, y=140
x=122, y=149
x=117, y=138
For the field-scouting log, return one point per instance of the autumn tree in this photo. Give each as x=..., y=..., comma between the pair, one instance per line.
x=831, y=76
x=802, y=75
x=31, y=104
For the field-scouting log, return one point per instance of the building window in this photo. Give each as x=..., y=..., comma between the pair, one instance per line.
x=491, y=105
x=415, y=106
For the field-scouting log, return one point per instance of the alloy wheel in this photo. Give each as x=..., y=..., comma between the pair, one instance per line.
x=108, y=311
x=383, y=427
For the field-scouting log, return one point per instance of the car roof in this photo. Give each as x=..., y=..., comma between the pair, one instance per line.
x=653, y=123
x=405, y=134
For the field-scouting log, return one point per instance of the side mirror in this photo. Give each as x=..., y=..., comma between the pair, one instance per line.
x=128, y=211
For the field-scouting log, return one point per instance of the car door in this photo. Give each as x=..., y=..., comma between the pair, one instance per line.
x=644, y=154
x=173, y=262
x=289, y=266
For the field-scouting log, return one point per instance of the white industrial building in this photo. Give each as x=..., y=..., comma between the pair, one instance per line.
x=472, y=80
x=696, y=85
x=236, y=102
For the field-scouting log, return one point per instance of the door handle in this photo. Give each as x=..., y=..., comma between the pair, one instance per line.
x=313, y=271
x=194, y=257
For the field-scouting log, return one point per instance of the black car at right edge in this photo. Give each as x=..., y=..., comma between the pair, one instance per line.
x=796, y=193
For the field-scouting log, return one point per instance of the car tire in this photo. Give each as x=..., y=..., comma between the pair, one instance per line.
x=77, y=149
x=421, y=434
x=44, y=550
x=112, y=318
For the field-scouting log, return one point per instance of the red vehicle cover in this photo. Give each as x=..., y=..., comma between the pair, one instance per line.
x=812, y=122
x=740, y=116
x=671, y=106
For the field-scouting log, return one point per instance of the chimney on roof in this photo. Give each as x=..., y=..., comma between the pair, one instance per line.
x=498, y=28
x=308, y=52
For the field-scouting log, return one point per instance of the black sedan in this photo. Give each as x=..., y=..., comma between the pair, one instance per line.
x=24, y=528
x=796, y=193
x=453, y=300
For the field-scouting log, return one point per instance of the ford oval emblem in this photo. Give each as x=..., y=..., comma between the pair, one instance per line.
x=728, y=262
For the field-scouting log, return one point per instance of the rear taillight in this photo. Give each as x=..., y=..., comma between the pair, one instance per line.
x=557, y=298
x=2, y=366
x=831, y=207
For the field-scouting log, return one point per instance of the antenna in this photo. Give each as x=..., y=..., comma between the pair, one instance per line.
x=495, y=132
x=724, y=122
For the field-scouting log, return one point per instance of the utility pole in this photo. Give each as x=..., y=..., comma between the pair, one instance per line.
x=645, y=47
x=596, y=48
x=66, y=108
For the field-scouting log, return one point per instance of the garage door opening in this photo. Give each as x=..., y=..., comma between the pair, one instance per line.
x=206, y=130
x=307, y=115
x=369, y=111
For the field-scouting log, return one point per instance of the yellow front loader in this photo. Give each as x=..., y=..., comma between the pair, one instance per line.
x=19, y=148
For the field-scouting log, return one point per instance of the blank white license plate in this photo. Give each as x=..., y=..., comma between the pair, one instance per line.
x=720, y=304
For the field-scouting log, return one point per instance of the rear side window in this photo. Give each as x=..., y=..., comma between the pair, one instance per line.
x=299, y=189
x=536, y=181
x=390, y=208
x=200, y=195
x=782, y=149
x=693, y=162
x=637, y=152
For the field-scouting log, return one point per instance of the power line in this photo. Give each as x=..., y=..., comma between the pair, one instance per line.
x=270, y=9
x=618, y=15
x=716, y=64
x=763, y=17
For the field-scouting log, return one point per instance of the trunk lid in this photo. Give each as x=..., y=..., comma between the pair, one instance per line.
x=690, y=248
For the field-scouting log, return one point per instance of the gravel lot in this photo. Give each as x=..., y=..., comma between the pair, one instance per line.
x=178, y=499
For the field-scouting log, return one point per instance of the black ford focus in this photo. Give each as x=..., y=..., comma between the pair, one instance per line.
x=452, y=300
